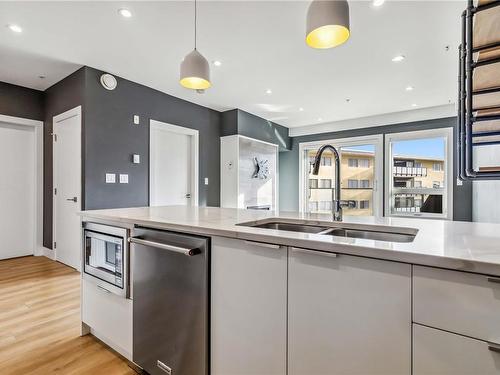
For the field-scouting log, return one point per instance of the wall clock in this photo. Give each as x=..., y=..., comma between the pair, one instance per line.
x=261, y=168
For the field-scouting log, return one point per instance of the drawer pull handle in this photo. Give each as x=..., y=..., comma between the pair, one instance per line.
x=104, y=289
x=495, y=280
x=314, y=252
x=262, y=244
x=494, y=347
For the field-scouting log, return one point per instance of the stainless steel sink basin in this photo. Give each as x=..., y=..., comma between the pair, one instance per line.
x=348, y=230
x=371, y=235
x=292, y=227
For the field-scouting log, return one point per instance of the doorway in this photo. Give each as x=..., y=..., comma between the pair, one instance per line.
x=20, y=187
x=67, y=186
x=173, y=165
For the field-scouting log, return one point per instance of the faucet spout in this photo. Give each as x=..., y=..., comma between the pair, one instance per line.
x=337, y=203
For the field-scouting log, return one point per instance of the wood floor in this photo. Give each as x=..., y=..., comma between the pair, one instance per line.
x=40, y=323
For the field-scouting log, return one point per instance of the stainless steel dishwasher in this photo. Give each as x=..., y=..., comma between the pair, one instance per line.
x=171, y=302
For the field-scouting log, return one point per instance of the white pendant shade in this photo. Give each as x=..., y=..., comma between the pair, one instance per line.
x=195, y=71
x=327, y=23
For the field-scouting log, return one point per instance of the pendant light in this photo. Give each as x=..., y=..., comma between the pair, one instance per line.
x=327, y=23
x=195, y=71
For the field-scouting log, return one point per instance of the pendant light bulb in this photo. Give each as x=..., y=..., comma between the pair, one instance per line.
x=327, y=23
x=195, y=70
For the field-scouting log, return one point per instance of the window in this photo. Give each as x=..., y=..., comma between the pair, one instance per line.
x=326, y=161
x=325, y=183
x=352, y=184
x=437, y=167
x=413, y=187
x=364, y=205
x=364, y=163
x=361, y=160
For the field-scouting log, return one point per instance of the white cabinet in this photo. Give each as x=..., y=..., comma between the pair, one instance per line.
x=109, y=317
x=348, y=315
x=248, y=309
x=241, y=184
x=437, y=352
x=460, y=302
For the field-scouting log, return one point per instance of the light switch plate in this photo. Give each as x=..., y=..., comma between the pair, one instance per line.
x=110, y=178
x=136, y=158
x=137, y=120
x=123, y=178
x=206, y=180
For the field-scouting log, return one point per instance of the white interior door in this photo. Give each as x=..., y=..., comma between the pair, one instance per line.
x=173, y=165
x=67, y=186
x=17, y=190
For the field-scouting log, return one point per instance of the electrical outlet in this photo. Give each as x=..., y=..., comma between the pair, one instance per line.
x=137, y=120
x=123, y=178
x=206, y=180
x=136, y=158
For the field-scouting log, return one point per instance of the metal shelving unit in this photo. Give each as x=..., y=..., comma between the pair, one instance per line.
x=479, y=87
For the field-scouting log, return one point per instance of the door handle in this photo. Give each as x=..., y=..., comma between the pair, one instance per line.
x=175, y=249
x=188, y=195
x=74, y=199
x=314, y=252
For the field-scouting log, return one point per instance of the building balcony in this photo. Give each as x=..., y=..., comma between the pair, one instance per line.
x=409, y=171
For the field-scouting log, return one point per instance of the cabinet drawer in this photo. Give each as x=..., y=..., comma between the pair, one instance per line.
x=437, y=352
x=109, y=317
x=459, y=302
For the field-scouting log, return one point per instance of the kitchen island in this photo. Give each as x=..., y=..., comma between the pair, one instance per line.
x=288, y=302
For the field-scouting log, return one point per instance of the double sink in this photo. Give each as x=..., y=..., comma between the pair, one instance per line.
x=369, y=232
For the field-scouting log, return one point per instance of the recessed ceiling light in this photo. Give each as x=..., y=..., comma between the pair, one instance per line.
x=301, y=109
x=217, y=63
x=15, y=28
x=269, y=91
x=409, y=88
x=41, y=76
x=414, y=105
x=398, y=58
x=126, y=13
x=377, y=3
x=348, y=100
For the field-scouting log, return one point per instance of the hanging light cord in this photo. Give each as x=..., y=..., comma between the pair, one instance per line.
x=194, y=24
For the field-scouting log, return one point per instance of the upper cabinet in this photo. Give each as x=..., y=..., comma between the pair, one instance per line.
x=248, y=173
x=348, y=315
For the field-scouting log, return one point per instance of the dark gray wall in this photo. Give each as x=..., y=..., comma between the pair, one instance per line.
x=64, y=95
x=111, y=138
x=289, y=163
x=240, y=122
x=20, y=101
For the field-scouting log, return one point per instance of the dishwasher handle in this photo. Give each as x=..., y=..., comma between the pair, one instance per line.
x=163, y=246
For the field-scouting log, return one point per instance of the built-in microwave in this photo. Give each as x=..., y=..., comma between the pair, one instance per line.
x=105, y=257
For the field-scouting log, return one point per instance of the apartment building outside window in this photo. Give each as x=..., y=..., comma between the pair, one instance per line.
x=419, y=175
x=361, y=168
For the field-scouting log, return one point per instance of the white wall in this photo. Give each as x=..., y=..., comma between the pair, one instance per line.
x=486, y=194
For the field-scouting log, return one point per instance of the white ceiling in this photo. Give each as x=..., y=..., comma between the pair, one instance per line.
x=261, y=45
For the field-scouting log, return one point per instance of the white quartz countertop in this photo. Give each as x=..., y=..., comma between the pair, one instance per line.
x=473, y=247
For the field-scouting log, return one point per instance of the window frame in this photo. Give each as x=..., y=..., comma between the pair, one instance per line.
x=447, y=190
x=377, y=140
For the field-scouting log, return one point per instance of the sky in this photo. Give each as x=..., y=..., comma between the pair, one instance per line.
x=430, y=147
